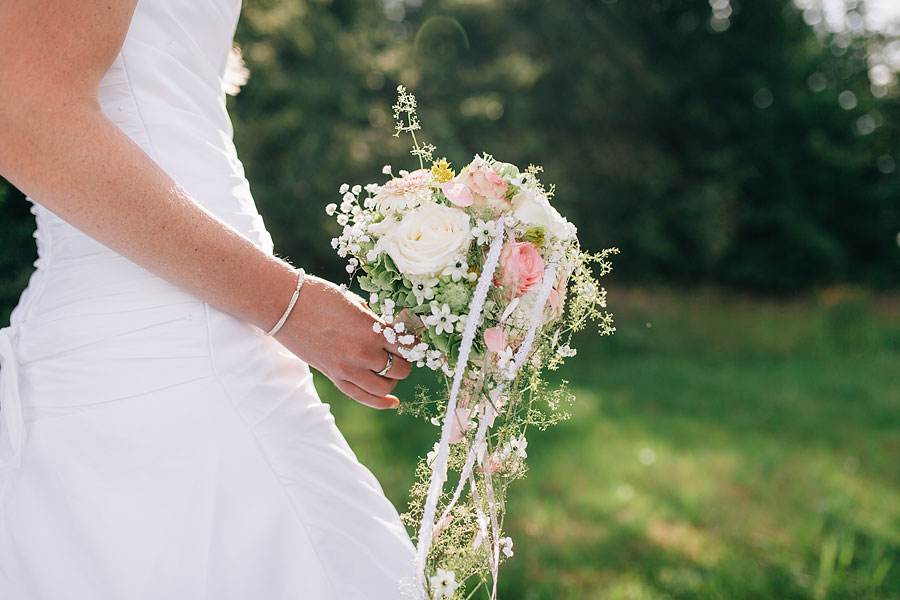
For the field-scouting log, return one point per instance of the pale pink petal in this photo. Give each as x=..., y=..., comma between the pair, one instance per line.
x=457, y=193
x=459, y=424
x=495, y=339
x=553, y=300
x=492, y=176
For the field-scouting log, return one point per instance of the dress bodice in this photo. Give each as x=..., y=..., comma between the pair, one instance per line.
x=165, y=91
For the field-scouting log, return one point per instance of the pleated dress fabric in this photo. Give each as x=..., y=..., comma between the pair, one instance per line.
x=152, y=446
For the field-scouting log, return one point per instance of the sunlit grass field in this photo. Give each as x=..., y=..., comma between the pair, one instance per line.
x=719, y=448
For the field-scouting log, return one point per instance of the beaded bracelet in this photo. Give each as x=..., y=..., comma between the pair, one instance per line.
x=301, y=275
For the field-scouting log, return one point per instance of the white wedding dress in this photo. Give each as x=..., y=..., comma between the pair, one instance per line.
x=152, y=446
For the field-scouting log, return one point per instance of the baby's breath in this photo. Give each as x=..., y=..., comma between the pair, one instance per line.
x=406, y=119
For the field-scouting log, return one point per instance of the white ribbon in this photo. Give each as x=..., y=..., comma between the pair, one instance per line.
x=439, y=468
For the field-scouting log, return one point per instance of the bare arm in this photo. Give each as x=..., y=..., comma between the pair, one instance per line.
x=57, y=146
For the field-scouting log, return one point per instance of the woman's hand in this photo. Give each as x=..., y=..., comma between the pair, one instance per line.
x=331, y=329
x=57, y=146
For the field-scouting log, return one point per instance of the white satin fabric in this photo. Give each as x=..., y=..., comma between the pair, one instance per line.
x=152, y=446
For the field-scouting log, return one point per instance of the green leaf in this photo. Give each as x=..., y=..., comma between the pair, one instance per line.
x=368, y=285
x=389, y=263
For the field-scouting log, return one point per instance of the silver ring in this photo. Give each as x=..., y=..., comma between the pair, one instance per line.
x=387, y=367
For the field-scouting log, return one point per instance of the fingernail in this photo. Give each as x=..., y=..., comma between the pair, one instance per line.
x=396, y=404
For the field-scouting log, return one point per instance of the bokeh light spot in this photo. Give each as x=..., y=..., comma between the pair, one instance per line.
x=763, y=98
x=886, y=164
x=647, y=456
x=719, y=25
x=493, y=110
x=817, y=82
x=847, y=100
x=625, y=492
x=865, y=125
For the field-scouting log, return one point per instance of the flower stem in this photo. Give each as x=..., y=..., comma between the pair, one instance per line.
x=416, y=146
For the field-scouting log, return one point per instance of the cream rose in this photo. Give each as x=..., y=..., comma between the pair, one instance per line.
x=530, y=206
x=428, y=239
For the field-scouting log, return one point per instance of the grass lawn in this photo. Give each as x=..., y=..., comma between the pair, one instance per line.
x=719, y=448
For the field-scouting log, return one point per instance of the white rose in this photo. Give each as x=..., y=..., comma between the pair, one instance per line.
x=532, y=207
x=427, y=240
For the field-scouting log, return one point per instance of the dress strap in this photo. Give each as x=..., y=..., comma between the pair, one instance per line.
x=12, y=424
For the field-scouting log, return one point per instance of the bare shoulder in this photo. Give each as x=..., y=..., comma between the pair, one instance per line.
x=59, y=46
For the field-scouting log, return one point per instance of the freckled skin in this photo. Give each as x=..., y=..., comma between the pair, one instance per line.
x=58, y=147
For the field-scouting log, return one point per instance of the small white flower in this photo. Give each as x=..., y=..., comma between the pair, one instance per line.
x=566, y=351
x=372, y=255
x=390, y=335
x=443, y=585
x=424, y=289
x=376, y=327
x=506, y=546
x=373, y=298
x=433, y=454
x=434, y=360
x=441, y=319
x=407, y=339
x=403, y=172
x=506, y=363
x=372, y=188
x=344, y=188
x=356, y=190
x=330, y=209
x=400, y=327
x=387, y=306
x=386, y=169
x=484, y=231
x=417, y=353
x=517, y=447
x=343, y=220
x=457, y=270
x=505, y=358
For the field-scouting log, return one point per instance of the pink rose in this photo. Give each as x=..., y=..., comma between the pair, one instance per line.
x=488, y=187
x=523, y=267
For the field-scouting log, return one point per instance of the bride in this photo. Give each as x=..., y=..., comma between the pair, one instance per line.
x=160, y=435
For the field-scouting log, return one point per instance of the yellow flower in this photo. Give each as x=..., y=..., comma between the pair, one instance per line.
x=441, y=171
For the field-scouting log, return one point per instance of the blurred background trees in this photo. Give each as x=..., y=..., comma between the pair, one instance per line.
x=751, y=145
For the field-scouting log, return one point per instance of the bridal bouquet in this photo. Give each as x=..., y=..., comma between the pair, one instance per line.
x=480, y=279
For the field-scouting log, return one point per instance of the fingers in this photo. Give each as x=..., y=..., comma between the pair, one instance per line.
x=366, y=398
x=400, y=368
